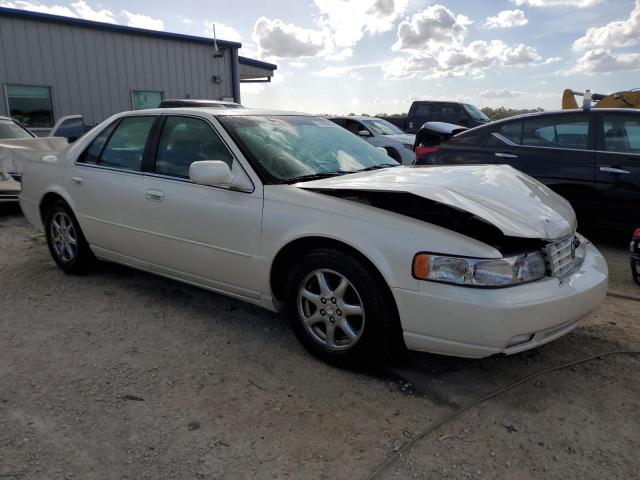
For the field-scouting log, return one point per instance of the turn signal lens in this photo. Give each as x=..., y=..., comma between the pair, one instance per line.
x=421, y=266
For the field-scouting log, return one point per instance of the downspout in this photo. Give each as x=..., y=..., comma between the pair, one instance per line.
x=234, y=75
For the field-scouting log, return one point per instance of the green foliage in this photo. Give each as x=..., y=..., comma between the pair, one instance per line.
x=502, y=112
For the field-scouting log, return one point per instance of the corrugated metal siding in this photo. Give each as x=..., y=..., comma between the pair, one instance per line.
x=92, y=72
x=251, y=71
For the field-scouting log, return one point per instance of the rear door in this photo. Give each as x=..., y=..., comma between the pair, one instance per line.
x=556, y=149
x=618, y=167
x=107, y=188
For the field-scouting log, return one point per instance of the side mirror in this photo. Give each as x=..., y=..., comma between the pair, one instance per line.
x=364, y=133
x=213, y=173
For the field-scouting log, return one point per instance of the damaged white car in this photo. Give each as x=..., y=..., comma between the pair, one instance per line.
x=289, y=211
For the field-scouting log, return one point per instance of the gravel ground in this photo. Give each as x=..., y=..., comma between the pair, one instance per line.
x=124, y=375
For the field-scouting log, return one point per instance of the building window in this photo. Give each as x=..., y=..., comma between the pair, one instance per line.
x=141, y=99
x=30, y=105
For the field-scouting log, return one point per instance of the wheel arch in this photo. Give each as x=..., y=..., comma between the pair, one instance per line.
x=299, y=247
x=49, y=199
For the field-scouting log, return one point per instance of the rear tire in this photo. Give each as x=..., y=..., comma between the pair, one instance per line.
x=65, y=239
x=339, y=310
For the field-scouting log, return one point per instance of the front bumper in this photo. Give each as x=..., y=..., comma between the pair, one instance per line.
x=472, y=322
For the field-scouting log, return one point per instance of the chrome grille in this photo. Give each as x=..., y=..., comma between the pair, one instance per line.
x=560, y=256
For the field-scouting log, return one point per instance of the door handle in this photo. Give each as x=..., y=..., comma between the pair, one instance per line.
x=77, y=180
x=505, y=155
x=613, y=170
x=155, y=195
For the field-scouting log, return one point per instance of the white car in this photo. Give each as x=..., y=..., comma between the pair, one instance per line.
x=381, y=133
x=291, y=212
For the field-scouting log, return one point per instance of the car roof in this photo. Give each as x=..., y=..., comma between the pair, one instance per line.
x=356, y=117
x=2, y=117
x=189, y=102
x=217, y=112
x=571, y=111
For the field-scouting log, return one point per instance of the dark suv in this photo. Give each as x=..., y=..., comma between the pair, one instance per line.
x=457, y=113
x=592, y=158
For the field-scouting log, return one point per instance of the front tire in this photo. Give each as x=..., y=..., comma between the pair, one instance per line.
x=67, y=244
x=339, y=310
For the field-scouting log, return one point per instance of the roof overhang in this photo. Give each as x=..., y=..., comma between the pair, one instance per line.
x=255, y=71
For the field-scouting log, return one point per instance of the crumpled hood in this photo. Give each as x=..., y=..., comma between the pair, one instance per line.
x=402, y=137
x=499, y=194
x=14, y=152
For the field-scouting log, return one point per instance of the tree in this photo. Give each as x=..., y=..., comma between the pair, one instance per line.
x=502, y=112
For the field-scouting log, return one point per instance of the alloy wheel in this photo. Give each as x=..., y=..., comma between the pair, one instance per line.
x=331, y=309
x=64, y=238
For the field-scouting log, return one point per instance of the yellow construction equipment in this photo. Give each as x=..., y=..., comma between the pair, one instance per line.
x=624, y=99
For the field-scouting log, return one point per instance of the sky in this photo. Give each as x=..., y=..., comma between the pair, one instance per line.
x=377, y=56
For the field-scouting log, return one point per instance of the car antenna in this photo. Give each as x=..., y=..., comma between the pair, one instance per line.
x=216, y=51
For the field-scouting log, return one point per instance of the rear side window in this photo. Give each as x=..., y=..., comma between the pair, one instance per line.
x=512, y=131
x=557, y=131
x=621, y=133
x=423, y=111
x=185, y=140
x=122, y=145
x=92, y=154
x=450, y=114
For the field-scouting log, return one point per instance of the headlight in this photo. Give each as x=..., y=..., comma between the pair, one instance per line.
x=479, y=272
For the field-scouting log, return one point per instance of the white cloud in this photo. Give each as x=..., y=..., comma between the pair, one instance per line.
x=223, y=32
x=460, y=61
x=82, y=9
x=507, y=19
x=348, y=20
x=601, y=60
x=552, y=60
x=341, y=55
x=434, y=26
x=278, y=39
x=88, y=13
x=142, y=21
x=557, y=3
x=298, y=64
x=337, y=72
x=622, y=33
x=502, y=93
x=37, y=7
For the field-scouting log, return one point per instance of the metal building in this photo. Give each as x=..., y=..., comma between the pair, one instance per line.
x=53, y=66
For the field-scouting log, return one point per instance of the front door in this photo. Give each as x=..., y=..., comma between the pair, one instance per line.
x=618, y=167
x=203, y=234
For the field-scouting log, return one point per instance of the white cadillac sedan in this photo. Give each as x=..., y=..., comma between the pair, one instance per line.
x=291, y=212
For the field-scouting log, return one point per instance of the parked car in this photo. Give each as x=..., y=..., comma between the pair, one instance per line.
x=17, y=145
x=458, y=113
x=431, y=135
x=592, y=158
x=290, y=212
x=12, y=130
x=380, y=133
x=191, y=102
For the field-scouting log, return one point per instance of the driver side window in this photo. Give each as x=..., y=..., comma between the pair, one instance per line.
x=185, y=140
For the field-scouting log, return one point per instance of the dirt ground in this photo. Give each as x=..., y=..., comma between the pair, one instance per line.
x=124, y=375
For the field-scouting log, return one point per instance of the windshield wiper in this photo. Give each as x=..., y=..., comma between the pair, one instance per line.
x=313, y=176
x=378, y=167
